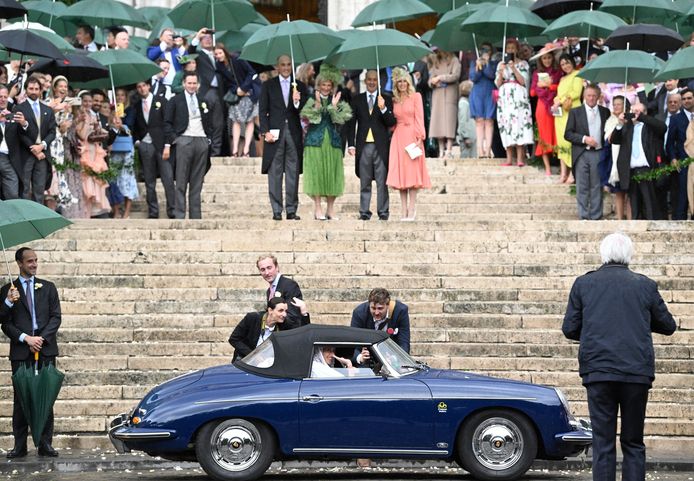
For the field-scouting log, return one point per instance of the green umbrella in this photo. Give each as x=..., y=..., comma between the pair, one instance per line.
x=37, y=390
x=584, y=23
x=526, y=4
x=126, y=67
x=641, y=10
x=680, y=65
x=303, y=41
x=448, y=34
x=503, y=20
x=139, y=44
x=628, y=66
x=104, y=13
x=234, y=40
x=391, y=11
x=47, y=12
x=153, y=14
x=23, y=220
x=215, y=14
x=443, y=6
x=380, y=48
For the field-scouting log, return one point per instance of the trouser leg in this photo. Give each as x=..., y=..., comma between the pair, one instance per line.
x=602, y=406
x=149, y=171
x=291, y=175
x=197, y=177
x=632, y=403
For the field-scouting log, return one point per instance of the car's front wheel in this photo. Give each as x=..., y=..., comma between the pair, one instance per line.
x=497, y=445
x=235, y=449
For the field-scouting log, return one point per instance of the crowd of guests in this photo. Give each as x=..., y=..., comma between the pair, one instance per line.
x=76, y=150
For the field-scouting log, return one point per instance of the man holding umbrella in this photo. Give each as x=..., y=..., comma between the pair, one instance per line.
x=30, y=317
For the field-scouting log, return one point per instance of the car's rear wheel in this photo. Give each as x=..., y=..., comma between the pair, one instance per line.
x=497, y=445
x=235, y=449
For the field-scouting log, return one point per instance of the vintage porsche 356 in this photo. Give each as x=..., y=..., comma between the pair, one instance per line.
x=272, y=405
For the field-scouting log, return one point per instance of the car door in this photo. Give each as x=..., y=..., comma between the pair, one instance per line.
x=365, y=414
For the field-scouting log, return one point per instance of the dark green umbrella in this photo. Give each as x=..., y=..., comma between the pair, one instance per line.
x=628, y=66
x=23, y=220
x=443, y=6
x=126, y=67
x=47, y=12
x=391, y=11
x=303, y=41
x=139, y=44
x=584, y=23
x=680, y=65
x=215, y=14
x=37, y=389
x=166, y=22
x=153, y=14
x=235, y=40
x=104, y=13
x=641, y=10
x=448, y=34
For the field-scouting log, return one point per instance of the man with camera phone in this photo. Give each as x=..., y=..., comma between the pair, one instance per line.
x=641, y=139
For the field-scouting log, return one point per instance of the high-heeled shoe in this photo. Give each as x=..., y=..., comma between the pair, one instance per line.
x=320, y=217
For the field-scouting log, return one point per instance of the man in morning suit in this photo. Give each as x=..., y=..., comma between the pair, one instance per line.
x=278, y=108
x=281, y=286
x=30, y=317
x=372, y=117
x=36, y=135
x=383, y=314
x=188, y=125
x=148, y=134
x=10, y=160
x=612, y=312
x=255, y=327
x=641, y=139
x=585, y=129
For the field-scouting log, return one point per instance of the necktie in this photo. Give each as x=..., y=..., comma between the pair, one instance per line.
x=155, y=84
x=285, y=91
x=193, y=106
x=272, y=292
x=145, y=106
x=371, y=102
x=37, y=111
x=30, y=301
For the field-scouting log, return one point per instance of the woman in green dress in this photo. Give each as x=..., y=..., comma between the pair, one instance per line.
x=324, y=174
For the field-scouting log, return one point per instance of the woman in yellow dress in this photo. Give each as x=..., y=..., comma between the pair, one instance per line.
x=568, y=96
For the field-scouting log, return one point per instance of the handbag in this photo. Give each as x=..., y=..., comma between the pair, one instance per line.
x=231, y=98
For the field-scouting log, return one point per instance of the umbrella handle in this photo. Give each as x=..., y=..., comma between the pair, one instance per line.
x=9, y=274
x=36, y=363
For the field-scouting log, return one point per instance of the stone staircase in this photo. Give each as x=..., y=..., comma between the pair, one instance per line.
x=485, y=269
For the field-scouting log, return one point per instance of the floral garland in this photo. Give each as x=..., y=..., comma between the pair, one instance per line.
x=656, y=174
x=109, y=175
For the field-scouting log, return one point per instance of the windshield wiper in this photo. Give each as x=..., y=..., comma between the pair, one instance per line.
x=418, y=367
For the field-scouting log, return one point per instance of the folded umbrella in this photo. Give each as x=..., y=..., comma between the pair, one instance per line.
x=37, y=390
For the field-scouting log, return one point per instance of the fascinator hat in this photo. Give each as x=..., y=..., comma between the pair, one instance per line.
x=329, y=73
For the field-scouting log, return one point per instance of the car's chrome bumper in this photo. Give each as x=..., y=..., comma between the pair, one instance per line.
x=581, y=435
x=121, y=431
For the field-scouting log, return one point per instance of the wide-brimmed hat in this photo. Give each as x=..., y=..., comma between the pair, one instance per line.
x=182, y=59
x=548, y=48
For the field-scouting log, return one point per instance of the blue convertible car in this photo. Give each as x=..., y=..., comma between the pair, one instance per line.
x=283, y=401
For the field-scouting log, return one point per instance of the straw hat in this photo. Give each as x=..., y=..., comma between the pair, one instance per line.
x=548, y=48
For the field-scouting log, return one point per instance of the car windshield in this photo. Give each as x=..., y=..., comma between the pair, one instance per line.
x=397, y=360
x=262, y=356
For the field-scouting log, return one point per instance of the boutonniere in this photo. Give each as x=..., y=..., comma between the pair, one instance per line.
x=392, y=332
x=37, y=286
x=278, y=294
x=157, y=105
x=204, y=107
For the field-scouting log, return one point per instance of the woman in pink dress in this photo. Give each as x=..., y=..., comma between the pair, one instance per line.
x=92, y=159
x=405, y=173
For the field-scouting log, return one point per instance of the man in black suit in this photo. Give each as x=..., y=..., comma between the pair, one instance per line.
x=148, y=134
x=585, y=129
x=36, y=135
x=676, y=122
x=280, y=102
x=612, y=312
x=281, y=286
x=372, y=117
x=188, y=125
x=211, y=83
x=255, y=327
x=641, y=139
x=98, y=98
x=383, y=314
x=159, y=88
x=658, y=97
x=30, y=317
x=10, y=161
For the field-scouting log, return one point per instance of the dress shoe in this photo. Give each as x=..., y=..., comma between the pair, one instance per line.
x=47, y=450
x=276, y=216
x=382, y=217
x=293, y=217
x=16, y=453
x=363, y=217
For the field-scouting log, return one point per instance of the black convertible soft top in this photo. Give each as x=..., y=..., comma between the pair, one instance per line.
x=294, y=348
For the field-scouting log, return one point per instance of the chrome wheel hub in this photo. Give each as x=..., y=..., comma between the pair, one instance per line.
x=497, y=443
x=235, y=448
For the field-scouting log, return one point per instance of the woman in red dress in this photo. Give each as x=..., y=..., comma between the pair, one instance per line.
x=544, y=86
x=405, y=173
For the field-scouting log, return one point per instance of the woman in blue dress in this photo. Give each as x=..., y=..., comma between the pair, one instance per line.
x=482, y=104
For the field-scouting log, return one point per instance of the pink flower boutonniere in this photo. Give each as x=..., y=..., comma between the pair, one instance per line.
x=392, y=332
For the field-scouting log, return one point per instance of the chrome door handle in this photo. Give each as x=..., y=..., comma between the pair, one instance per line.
x=313, y=398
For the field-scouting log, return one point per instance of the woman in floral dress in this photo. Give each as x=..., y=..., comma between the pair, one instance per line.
x=513, y=106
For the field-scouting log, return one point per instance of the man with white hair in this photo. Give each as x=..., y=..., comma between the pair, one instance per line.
x=612, y=312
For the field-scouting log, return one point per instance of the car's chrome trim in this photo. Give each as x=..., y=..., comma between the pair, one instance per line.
x=577, y=437
x=370, y=451
x=242, y=400
x=490, y=398
x=147, y=435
